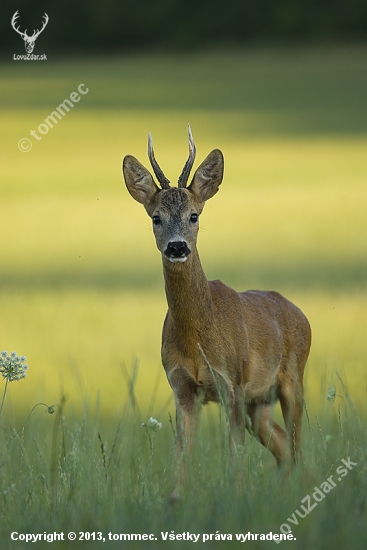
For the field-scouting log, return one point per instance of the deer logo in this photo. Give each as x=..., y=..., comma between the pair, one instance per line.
x=29, y=41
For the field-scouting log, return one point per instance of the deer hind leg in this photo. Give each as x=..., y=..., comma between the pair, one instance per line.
x=291, y=401
x=290, y=393
x=270, y=434
x=237, y=418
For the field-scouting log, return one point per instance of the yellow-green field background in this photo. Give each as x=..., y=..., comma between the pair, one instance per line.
x=81, y=283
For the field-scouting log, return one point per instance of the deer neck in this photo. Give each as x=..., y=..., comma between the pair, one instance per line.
x=188, y=294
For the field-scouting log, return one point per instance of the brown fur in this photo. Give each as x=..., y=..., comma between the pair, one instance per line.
x=245, y=350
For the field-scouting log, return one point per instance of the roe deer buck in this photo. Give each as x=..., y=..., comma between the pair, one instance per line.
x=254, y=345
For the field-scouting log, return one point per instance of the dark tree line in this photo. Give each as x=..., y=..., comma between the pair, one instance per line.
x=123, y=25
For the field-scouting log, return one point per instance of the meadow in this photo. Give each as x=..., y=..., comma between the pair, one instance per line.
x=82, y=293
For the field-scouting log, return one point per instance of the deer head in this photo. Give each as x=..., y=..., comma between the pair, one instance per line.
x=174, y=211
x=29, y=41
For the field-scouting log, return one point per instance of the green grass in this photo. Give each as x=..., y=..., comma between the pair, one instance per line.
x=82, y=295
x=62, y=475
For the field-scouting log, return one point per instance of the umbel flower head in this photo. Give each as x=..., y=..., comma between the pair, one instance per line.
x=152, y=424
x=331, y=394
x=12, y=367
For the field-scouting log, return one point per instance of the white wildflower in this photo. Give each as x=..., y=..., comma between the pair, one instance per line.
x=12, y=367
x=331, y=394
x=152, y=424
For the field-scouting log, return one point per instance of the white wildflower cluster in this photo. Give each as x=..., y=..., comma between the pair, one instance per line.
x=152, y=424
x=12, y=367
x=331, y=394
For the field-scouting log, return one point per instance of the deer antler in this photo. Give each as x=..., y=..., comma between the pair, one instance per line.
x=37, y=33
x=182, y=180
x=13, y=21
x=157, y=170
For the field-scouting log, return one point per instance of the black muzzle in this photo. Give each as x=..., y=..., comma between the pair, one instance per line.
x=177, y=249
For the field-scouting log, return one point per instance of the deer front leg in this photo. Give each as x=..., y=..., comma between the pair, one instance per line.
x=186, y=423
x=188, y=398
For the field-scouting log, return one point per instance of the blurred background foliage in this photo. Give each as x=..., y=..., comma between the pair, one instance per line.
x=93, y=26
x=276, y=85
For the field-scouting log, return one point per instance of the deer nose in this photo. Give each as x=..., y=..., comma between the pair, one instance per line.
x=177, y=249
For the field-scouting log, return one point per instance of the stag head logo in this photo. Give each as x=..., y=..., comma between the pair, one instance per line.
x=29, y=41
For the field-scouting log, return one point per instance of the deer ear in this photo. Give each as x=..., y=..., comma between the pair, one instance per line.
x=208, y=176
x=139, y=181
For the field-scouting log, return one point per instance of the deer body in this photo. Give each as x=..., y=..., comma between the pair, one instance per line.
x=245, y=350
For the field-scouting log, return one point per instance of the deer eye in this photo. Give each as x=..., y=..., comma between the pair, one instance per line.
x=194, y=218
x=156, y=220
